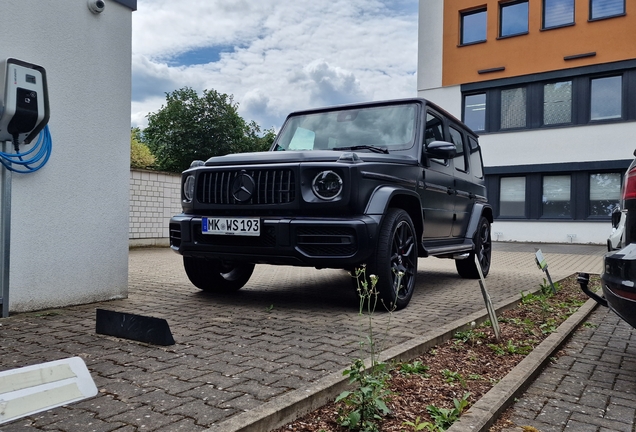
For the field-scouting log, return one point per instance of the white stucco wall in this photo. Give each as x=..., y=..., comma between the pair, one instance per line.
x=430, y=44
x=449, y=98
x=573, y=144
x=581, y=232
x=69, y=239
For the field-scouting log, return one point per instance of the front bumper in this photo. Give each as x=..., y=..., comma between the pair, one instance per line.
x=619, y=282
x=315, y=242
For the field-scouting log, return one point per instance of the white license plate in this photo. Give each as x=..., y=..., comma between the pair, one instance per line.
x=231, y=226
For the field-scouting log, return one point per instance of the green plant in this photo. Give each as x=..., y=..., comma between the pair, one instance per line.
x=450, y=377
x=445, y=417
x=366, y=403
x=546, y=288
x=549, y=326
x=417, y=367
x=419, y=425
x=471, y=336
x=588, y=324
x=511, y=348
x=270, y=308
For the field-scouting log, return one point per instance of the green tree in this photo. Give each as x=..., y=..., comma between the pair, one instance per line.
x=189, y=127
x=140, y=155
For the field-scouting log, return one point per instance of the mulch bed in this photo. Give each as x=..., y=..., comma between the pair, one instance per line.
x=473, y=362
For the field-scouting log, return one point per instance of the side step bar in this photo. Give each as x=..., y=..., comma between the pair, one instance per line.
x=455, y=249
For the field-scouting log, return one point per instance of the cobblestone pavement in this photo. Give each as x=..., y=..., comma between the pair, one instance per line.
x=591, y=387
x=288, y=327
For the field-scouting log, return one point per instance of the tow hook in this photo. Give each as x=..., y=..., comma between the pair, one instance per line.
x=584, y=279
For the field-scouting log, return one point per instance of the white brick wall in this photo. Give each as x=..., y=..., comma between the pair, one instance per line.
x=154, y=198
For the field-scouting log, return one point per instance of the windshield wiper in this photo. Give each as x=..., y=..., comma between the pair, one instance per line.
x=375, y=149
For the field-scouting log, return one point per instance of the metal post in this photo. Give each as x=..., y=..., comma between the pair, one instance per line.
x=5, y=232
x=489, y=307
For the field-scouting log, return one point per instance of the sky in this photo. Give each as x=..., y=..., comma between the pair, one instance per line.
x=273, y=56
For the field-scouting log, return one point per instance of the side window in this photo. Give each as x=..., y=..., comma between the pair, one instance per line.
x=460, y=157
x=434, y=132
x=434, y=129
x=475, y=158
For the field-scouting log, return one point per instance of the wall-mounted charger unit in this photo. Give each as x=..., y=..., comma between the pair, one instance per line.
x=24, y=103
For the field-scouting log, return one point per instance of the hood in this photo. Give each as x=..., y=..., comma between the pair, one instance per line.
x=277, y=157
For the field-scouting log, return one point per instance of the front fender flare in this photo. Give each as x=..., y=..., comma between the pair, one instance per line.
x=390, y=196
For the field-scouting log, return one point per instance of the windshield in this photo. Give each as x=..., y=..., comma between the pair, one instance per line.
x=390, y=127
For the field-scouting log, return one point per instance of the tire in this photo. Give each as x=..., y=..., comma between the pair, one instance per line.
x=216, y=276
x=396, y=252
x=483, y=248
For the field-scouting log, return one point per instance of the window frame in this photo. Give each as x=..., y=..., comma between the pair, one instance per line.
x=581, y=96
x=542, y=104
x=589, y=193
x=525, y=198
x=464, y=14
x=621, y=116
x=543, y=17
x=580, y=190
x=485, y=110
x=592, y=18
x=525, y=108
x=505, y=5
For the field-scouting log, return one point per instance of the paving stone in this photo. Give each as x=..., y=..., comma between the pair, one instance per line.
x=231, y=353
x=105, y=406
x=145, y=419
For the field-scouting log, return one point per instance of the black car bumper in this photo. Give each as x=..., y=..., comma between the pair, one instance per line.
x=619, y=283
x=315, y=242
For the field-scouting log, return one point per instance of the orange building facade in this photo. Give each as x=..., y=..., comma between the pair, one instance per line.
x=550, y=86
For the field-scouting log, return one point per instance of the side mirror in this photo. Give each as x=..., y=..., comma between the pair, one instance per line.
x=616, y=216
x=440, y=150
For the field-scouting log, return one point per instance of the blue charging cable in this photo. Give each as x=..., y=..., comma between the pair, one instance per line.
x=31, y=160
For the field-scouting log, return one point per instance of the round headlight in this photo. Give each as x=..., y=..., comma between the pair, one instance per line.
x=188, y=188
x=327, y=185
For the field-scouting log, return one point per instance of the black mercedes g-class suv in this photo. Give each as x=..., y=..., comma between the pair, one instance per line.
x=379, y=183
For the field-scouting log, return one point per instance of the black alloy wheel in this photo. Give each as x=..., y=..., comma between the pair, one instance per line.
x=483, y=250
x=395, y=260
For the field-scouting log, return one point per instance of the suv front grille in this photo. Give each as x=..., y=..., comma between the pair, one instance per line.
x=271, y=186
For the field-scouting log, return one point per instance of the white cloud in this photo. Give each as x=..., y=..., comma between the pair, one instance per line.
x=275, y=57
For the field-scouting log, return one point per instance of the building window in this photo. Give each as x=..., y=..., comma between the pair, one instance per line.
x=512, y=197
x=605, y=192
x=556, y=196
x=513, y=108
x=606, y=8
x=557, y=13
x=557, y=103
x=586, y=96
x=473, y=27
x=606, y=100
x=475, y=111
x=513, y=18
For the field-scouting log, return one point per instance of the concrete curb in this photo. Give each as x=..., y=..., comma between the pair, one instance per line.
x=489, y=407
x=290, y=406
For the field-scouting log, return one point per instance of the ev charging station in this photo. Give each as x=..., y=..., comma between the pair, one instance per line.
x=24, y=114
